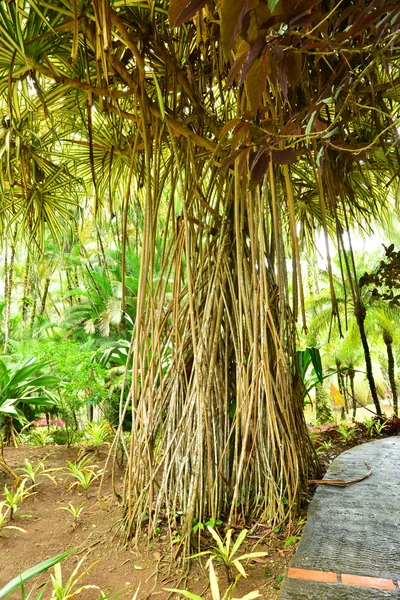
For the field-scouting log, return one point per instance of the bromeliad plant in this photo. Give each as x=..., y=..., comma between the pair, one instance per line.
x=98, y=434
x=14, y=499
x=32, y=473
x=226, y=551
x=82, y=474
x=215, y=590
x=75, y=511
x=4, y=510
x=347, y=433
x=69, y=589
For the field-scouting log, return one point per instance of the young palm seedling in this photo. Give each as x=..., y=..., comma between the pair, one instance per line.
x=215, y=590
x=226, y=552
x=75, y=511
x=4, y=510
x=98, y=434
x=14, y=499
x=374, y=425
x=347, y=433
x=32, y=473
x=324, y=446
x=82, y=474
x=69, y=589
x=41, y=436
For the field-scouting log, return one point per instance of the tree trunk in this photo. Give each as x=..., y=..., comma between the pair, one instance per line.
x=8, y=298
x=44, y=297
x=352, y=374
x=361, y=313
x=234, y=439
x=387, y=338
x=323, y=405
x=25, y=295
x=35, y=285
x=342, y=388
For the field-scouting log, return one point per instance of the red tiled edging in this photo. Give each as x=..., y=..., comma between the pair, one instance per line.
x=344, y=579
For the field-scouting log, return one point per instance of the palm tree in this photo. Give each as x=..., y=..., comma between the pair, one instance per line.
x=238, y=133
x=383, y=319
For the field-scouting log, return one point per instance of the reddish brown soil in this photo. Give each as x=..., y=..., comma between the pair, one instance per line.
x=118, y=570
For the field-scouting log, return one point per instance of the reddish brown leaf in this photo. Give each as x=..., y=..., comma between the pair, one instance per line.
x=235, y=69
x=182, y=10
x=363, y=21
x=253, y=28
x=256, y=79
x=303, y=9
x=283, y=80
x=291, y=129
x=318, y=126
x=284, y=157
x=350, y=10
x=175, y=9
x=242, y=160
x=230, y=125
x=232, y=14
x=229, y=160
x=316, y=46
x=239, y=133
x=253, y=54
x=293, y=64
x=258, y=168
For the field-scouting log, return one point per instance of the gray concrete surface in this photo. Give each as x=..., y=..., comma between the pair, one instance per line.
x=353, y=530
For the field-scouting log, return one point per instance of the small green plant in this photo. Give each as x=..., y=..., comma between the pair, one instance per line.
x=4, y=510
x=14, y=499
x=215, y=590
x=369, y=423
x=19, y=581
x=210, y=523
x=293, y=539
x=75, y=511
x=347, y=433
x=69, y=589
x=380, y=425
x=32, y=473
x=225, y=551
x=98, y=434
x=82, y=473
x=324, y=446
x=40, y=436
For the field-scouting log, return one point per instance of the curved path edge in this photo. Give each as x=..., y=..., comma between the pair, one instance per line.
x=350, y=547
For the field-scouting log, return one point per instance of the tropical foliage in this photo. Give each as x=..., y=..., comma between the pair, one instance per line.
x=220, y=142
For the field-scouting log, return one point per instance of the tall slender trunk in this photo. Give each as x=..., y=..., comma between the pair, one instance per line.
x=7, y=308
x=387, y=338
x=44, y=297
x=25, y=295
x=352, y=374
x=342, y=387
x=34, y=305
x=361, y=313
x=323, y=405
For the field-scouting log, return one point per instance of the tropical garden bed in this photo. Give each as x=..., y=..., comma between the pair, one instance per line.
x=96, y=536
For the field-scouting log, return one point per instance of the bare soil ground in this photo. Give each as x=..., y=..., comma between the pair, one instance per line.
x=117, y=570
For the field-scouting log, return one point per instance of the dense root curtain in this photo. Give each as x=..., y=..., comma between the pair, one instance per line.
x=218, y=429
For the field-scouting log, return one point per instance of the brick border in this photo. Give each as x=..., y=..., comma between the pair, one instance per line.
x=342, y=578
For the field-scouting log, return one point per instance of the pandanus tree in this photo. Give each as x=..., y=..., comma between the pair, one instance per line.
x=243, y=127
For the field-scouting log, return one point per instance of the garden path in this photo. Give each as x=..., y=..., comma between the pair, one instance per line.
x=350, y=548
